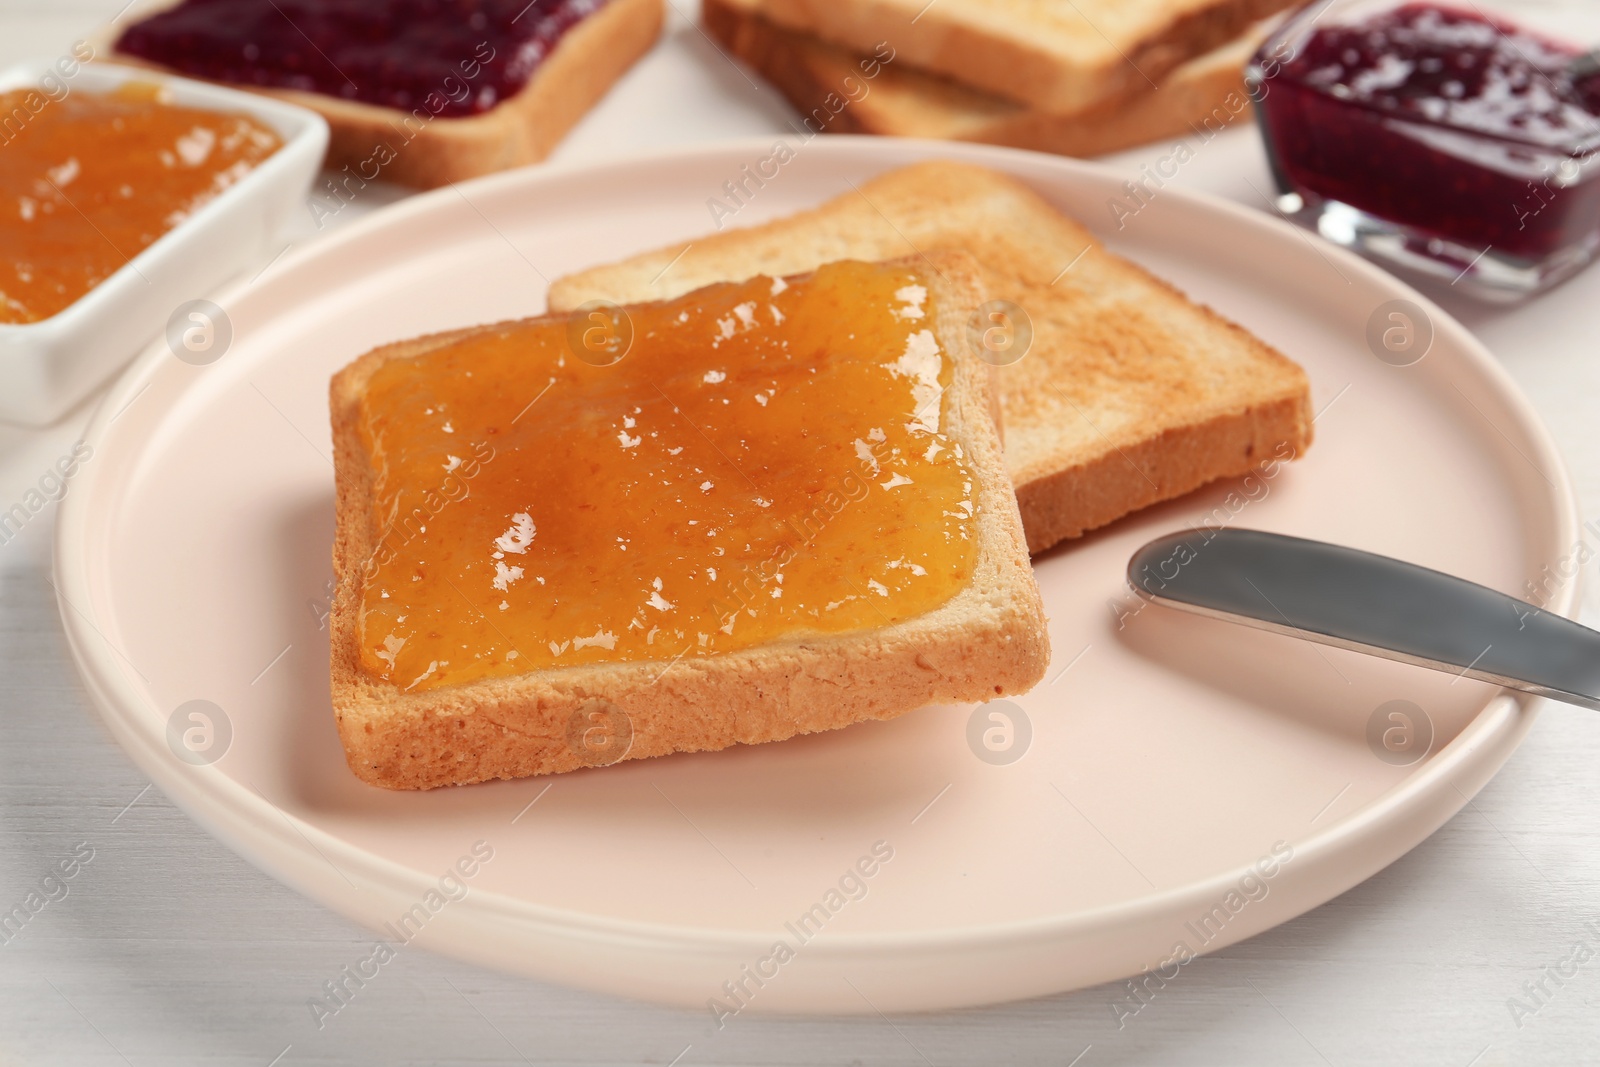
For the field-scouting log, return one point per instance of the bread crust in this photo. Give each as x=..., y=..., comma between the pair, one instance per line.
x=897, y=101
x=1053, y=57
x=425, y=152
x=1132, y=393
x=1075, y=500
x=988, y=641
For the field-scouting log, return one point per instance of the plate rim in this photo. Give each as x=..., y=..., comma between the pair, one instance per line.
x=1476, y=754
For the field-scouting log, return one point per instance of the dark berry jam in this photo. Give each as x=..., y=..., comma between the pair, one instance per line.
x=1444, y=121
x=451, y=57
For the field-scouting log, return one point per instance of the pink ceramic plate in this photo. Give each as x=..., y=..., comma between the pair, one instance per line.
x=1178, y=784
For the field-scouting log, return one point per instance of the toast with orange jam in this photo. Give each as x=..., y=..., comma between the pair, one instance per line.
x=756, y=510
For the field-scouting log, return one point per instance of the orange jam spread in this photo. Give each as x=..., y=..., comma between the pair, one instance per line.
x=767, y=460
x=89, y=181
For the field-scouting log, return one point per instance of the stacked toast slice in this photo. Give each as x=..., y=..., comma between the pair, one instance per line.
x=1129, y=393
x=1076, y=79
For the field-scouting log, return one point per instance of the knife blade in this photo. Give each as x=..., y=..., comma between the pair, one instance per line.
x=1370, y=603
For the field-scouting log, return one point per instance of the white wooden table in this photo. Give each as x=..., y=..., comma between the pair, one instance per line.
x=167, y=948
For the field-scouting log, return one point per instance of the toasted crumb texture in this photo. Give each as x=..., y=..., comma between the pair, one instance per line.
x=1048, y=54
x=987, y=641
x=369, y=142
x=1130, y=394
x=839, y=91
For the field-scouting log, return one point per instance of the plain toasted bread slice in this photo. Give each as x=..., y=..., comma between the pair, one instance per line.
x=1051, y=55
x=1130, y=394
x=839, y=91
x=989, y=639
x=370, y=142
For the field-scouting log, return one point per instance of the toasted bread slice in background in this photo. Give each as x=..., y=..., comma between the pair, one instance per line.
x=414, y=148
x=1048, y=54
x=988, y=640
x=839, y=91
x=1130, y=394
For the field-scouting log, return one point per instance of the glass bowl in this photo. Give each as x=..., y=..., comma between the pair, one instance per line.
x=1458, y=140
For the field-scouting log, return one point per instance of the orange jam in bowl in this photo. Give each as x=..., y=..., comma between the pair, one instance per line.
x=767, y=460
x=89, y=181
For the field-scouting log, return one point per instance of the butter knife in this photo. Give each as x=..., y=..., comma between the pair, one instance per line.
x=1369, y=603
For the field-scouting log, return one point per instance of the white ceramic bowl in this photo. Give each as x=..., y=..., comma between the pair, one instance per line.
x=46, y=367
